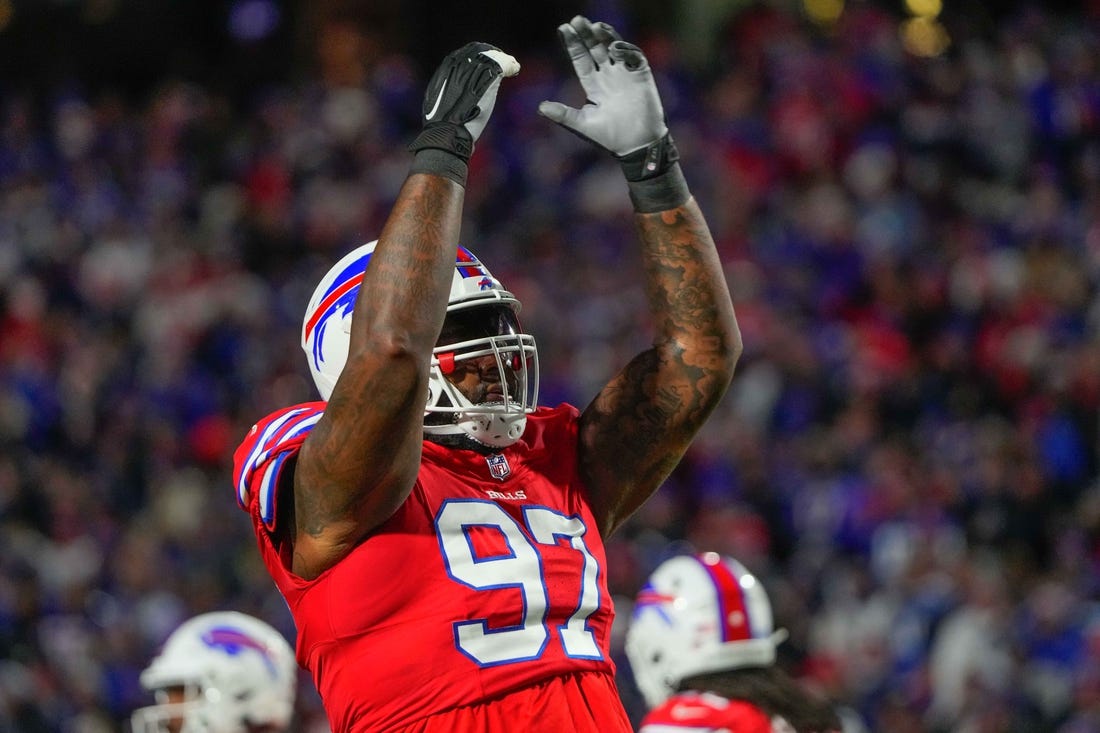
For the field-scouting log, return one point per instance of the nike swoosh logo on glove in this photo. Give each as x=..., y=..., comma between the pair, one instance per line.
x=435, y=107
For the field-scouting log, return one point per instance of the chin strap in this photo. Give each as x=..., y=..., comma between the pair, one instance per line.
x=459, y=440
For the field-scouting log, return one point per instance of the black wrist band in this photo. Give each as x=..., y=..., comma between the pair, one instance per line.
x=440, y=163
x=666, y=191
x=452, y=138
x=650, y=161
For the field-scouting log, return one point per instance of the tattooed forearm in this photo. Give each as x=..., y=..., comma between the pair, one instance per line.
x=697, y=340
x=408, y=267
x=649, y=413
x=686, y=286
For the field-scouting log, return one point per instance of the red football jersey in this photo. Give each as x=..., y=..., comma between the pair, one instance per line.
x=703, y=712
x=489, y=579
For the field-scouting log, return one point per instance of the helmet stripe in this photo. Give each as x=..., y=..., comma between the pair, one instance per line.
x=468, y=265
x=734, y=612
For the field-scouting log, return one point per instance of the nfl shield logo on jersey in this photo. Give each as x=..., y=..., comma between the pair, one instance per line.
x=498, y=466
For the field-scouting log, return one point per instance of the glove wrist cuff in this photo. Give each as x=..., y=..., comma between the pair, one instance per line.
x=452, y=138
x=650, y=161
x=440, y=163
x=660, y=193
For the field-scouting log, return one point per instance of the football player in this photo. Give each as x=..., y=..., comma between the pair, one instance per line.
x=220, y=672
x=436, y=533
x=702, y=644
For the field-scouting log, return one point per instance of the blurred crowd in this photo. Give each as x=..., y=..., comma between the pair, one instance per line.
x=909, y=456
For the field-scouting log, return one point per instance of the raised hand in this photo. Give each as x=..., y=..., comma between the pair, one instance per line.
x=623, y=114
x=460, y=98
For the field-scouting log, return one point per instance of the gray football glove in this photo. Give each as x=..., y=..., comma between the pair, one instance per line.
x=460, y=97
x=623, y=114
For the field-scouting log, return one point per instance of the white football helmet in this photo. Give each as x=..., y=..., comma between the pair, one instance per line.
x=484, y=311
x=698, y=614
x=233, y=671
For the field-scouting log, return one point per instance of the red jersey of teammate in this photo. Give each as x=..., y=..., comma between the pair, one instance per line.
x=704, y=712
x=488, y=579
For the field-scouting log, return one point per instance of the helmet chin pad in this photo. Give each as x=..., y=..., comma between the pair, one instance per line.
x=494, y=429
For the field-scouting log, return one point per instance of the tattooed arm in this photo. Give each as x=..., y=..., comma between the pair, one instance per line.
x=359, y=463
x=639, y=426
x=361, y=460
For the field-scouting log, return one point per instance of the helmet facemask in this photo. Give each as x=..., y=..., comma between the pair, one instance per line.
x=192, y=709
x=484, y=340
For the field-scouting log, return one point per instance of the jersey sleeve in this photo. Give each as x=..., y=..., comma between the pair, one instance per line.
x=268, y=448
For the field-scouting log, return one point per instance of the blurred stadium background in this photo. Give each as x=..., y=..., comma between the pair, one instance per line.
x=906, y=196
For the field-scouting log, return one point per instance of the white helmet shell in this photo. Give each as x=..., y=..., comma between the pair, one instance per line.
x=698, y=614
x=326, y=334
x=236, y=671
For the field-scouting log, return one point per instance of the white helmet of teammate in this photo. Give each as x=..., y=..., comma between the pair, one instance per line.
x=480, y=308
x=220, y=672
x=698, y=614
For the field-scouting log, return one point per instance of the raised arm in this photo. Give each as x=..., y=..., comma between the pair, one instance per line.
x=638, y=427
x=360, y=461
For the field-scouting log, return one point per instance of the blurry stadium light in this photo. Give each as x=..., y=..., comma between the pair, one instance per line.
x=253, y=20
x=924, y=8
x=823, y=12
x=923, y=36
x=7, y=12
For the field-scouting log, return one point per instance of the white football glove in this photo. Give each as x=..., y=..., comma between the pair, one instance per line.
x=624, y=112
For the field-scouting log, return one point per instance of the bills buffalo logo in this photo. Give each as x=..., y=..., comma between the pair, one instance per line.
x=649, y=598
x=234, y=641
